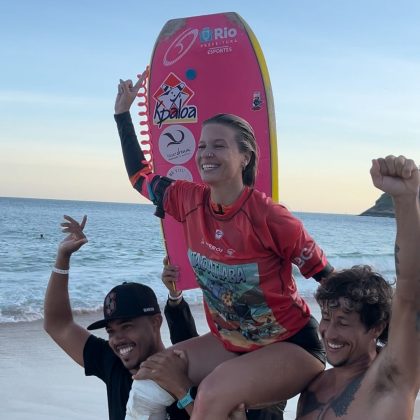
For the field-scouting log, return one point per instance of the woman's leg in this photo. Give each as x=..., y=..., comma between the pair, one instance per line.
x=275, y=372
x=204, y=353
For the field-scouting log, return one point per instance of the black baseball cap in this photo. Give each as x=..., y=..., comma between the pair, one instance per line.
x=126, y=301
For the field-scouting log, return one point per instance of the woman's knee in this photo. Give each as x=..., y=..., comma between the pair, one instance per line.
x=211, y=394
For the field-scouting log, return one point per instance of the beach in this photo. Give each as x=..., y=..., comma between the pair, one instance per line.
x=38, y=381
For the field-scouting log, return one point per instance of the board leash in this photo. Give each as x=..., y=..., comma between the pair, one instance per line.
x=145, y=136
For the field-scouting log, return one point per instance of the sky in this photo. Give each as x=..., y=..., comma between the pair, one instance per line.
x=345, y=77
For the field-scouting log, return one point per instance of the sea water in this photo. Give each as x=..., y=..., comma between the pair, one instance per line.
x=125, y=244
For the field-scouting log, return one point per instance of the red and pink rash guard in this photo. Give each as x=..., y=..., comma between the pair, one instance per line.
x=243, y=263
x=242, y=257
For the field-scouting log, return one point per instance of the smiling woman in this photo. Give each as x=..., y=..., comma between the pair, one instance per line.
x=236, y=139
x=241, y=247
x=222, y=159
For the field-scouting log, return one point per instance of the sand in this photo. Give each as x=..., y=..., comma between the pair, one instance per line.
x=38, y=381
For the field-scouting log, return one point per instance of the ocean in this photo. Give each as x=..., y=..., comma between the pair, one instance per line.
x=125, y=244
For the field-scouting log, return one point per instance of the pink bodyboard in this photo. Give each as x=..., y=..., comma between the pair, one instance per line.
x=202, y=66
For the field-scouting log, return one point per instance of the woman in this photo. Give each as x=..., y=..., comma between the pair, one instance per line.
x=241, y=247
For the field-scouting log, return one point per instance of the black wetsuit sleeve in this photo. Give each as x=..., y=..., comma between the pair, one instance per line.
x=180, y=322
x=325, y=272
x=133, y=155
x=137, y=166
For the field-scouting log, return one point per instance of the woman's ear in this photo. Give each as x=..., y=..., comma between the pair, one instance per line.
x=247, y=159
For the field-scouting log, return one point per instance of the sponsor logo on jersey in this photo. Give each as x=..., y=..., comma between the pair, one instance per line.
x=305, y=255
x=210, y=246
x=231, y=274
x=219, y=234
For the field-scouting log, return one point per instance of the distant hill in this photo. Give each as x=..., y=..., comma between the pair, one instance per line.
x=384, y=207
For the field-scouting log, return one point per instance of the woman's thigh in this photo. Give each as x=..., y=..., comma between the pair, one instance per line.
x=204, y=354
x=276, y=372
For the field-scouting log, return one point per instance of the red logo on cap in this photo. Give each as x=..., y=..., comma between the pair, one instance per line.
x=110, y=304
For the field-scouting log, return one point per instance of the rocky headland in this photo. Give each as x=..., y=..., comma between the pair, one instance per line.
x=384, y=207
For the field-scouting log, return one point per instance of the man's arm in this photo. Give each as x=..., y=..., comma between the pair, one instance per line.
x=58, y=318
x=170, y=368
x=180, y=321
x=400, y=361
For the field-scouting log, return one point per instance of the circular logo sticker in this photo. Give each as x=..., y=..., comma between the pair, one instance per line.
x=179, y=172
x=176, y=144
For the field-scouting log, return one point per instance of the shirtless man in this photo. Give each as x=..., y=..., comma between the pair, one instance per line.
x=366, y=383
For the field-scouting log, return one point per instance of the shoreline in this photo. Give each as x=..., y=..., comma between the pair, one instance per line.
x=40, y=382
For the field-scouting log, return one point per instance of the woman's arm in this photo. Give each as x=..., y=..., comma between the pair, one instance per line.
x=135, y=162
x=137, y=167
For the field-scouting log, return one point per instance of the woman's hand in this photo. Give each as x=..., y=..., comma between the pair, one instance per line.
x=127, y=93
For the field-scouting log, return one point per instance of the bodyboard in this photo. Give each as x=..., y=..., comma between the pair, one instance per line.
x=202, y=66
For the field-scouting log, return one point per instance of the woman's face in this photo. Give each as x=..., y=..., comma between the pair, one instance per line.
x=218, y=158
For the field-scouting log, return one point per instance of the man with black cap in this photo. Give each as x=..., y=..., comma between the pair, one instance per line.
x=132, y=319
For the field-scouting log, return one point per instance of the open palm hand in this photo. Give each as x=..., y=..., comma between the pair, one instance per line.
x=75, y=238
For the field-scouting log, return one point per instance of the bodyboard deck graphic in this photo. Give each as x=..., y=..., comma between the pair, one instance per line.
x=202, y=66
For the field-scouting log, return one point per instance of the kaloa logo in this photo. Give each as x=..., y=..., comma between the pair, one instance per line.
x=171, y=106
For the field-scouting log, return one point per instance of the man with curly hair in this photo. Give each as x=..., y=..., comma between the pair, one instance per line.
x=372, y=337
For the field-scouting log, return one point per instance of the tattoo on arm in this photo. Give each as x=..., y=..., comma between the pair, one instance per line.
x=397, y=260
